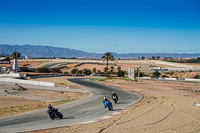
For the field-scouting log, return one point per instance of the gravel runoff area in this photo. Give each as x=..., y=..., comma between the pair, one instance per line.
x=167, y=107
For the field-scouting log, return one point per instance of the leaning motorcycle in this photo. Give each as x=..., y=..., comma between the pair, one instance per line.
x=115, y=99
x=55, y=114
x=109, y=105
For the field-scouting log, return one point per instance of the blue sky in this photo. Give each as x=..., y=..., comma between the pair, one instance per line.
x=98, y=26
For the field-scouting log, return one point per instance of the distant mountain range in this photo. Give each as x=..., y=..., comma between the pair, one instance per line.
x=49, y=52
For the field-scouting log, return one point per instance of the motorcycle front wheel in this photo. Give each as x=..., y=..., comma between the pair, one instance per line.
x=51, y=115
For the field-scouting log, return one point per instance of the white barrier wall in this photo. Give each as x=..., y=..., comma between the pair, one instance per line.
x=27, y=82
x=198, y=80
x=169, y=78
x=144, y=77
x=131, y=74
x=182, y=69
x=10, y=75
x=175, y=64
x=193, y=80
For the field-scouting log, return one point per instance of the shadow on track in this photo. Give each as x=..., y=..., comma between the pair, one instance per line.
x=68, y=117
x=122, y=102
x=117, y=109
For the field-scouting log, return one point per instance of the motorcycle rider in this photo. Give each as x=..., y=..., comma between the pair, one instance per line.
x=54, y=113
x=52, y=109
x=105, y=100
x=114, y=96
x=108, y=104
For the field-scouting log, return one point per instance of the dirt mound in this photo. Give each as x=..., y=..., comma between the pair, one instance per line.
x=19, y=88
x=11, y=88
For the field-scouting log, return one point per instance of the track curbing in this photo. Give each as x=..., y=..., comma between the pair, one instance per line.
x=105, y=117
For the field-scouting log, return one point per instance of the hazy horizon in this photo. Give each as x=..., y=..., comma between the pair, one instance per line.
x=99, y=26
x=97, y=52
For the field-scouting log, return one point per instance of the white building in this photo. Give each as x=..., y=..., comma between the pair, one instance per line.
x=27, y=57
x=15, y=65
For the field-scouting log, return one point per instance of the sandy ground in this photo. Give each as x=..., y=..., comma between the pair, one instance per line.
x=15, y=99
x=25, y=63
x=124, y=66
x=180, y=74
x=167, y=107
x=60, y=81
x=145, y=67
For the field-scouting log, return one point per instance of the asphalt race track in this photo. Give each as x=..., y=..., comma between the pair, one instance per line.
x=78, y=111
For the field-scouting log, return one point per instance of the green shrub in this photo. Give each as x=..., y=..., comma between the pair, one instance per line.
x=42, y=70
x=127, y=79
x=102, y=80
x=156, y=73
x=63, y=101
x=66, y=72
x=171, y=73
x=93, y=79
x=120, y=73
x=106, y=69
x=87, y=71
x=80, y=72
x=99, y=71
x=141, y=74
x=111, y=78
x=164, y=76
x=94, y=70
x=196, y=77
x=74, y=71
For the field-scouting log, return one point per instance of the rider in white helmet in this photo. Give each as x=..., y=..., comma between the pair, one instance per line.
x=114, y=96
x=104, y=99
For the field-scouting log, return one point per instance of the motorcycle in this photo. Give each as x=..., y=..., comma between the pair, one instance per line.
x=109, y=105
x=115, y=99
x=55, y=114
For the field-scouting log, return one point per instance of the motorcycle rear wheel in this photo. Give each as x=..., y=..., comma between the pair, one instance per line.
x=60, y=115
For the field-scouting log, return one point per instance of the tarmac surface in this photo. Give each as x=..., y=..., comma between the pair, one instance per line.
x=76, y=112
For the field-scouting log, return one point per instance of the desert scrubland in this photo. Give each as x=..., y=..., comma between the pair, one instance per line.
x=167, y=107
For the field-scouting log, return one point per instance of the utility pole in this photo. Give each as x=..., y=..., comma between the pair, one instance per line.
x=138, y=73
x=198, y=80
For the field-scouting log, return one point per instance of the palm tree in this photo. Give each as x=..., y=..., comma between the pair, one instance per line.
x=15, y=55
x=107, y=56
x=158, y=57
x=112, y=68
x=94, y=70
x=99, y=71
